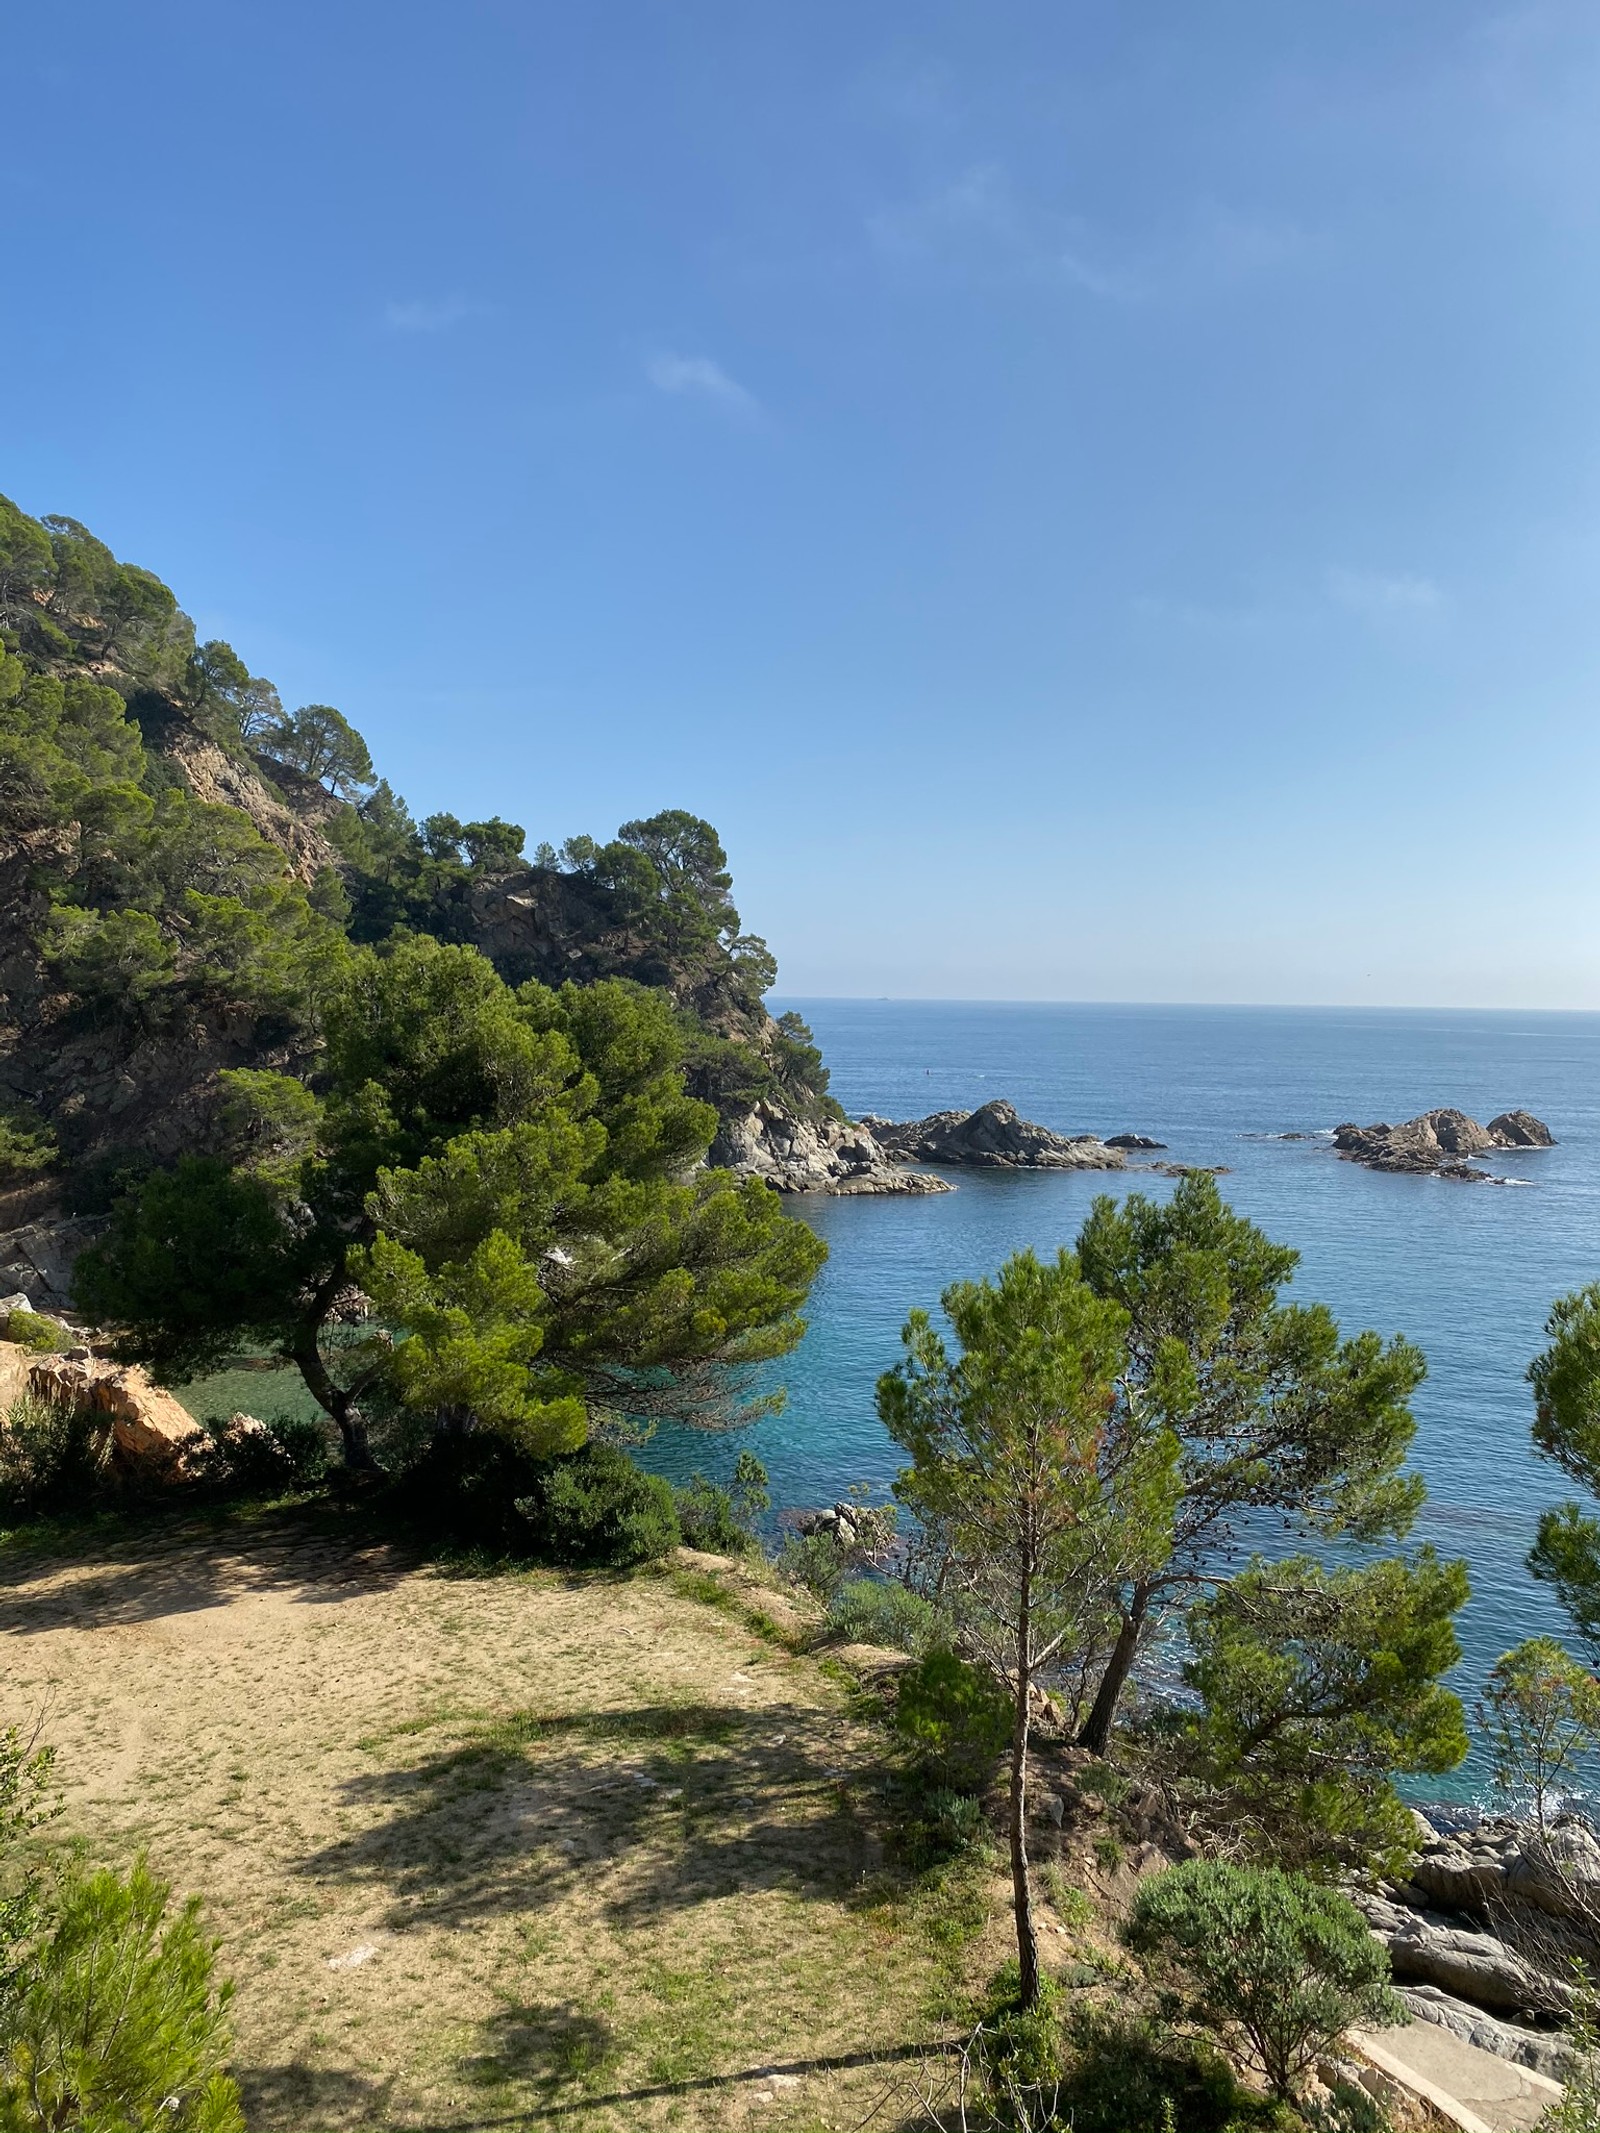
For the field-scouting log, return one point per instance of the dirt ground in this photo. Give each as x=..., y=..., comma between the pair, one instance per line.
x=485, y=1851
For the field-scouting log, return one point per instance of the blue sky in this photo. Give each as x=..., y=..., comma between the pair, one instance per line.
x=1093, y=502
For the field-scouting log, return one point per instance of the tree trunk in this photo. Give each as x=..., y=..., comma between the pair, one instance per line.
x=1021, y=1892
x=1095, y=1732
x=341, y=1405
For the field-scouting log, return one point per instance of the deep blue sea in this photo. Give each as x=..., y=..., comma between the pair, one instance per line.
x=1468, y=1272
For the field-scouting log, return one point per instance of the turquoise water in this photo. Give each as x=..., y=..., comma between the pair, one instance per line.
x=1466, y=1271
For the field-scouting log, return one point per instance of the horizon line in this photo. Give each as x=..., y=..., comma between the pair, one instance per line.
x=1287, y=1007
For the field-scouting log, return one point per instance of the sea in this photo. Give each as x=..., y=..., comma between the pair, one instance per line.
x=1466, y=1271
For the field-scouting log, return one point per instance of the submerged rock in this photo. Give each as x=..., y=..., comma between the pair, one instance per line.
x=991, y=1138
x=1133, y=1140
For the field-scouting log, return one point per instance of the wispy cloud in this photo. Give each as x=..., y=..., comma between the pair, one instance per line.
x=1382, y=594
x=980, y=224
x=698, y=378
x=425, y=315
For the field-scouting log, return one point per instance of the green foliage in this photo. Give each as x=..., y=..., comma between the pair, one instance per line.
x=1286, y=1965
x=27, y=1802
x=1274, y=1413
x=48, y=1458
x=1122, y=2070
x=1566, y=1428
x=819, y=1562
x=722, y=1520
x=1577, y=2110
x=883, y=1611
x=321, y=743
x=596, y=1509
x=955, y=1716
x=27, y=1145
x=591, y=1509
x=1540, y=1716
x=119, y=2022
x=37, y=1333
x=1315, y=1688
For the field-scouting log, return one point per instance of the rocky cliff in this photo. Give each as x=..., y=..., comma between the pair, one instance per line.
x=814, y=1155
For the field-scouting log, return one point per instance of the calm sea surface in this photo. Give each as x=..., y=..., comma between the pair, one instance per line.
x=1466, y=1271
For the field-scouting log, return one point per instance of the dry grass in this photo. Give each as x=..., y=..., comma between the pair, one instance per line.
x=598, y=1838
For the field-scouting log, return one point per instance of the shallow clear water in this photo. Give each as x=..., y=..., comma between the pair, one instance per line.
x=1466, y=1271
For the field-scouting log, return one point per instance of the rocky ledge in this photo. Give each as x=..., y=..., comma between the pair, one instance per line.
x=1440, y=1143
x=1483, y=1932
x=991, y=1138
x=813, y=1155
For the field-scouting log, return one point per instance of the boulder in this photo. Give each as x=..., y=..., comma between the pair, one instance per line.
x=1133, y=1140
x=1533, y=2048
x=152, y=1436
x=1520, y=1129
x=991, y=1138
x=1427, y=1949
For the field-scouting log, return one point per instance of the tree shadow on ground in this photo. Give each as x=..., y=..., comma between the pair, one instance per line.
x=182, y=1570
x=543, y=2047
x=654, y=1809
x=329, y=2099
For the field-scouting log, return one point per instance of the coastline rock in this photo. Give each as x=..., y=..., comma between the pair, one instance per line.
x=145, y=1432
x=805, y=1155
x=1427, y=1949
x=991, y=1138
x=1520, y=1129
x=1533, y=2048
x=1133, y=1140
x=1439, y=1143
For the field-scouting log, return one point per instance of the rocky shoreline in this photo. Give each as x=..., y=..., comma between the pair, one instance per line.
x=1483, y=1931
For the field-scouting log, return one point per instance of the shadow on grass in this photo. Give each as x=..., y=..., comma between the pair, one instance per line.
x=543, y=2047
x=304, y=2097
x=656, y=1809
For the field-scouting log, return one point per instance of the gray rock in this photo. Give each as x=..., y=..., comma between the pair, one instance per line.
x=804, y=1155
x=1133, y=1140
x=1427, y=1949
x=1439, y=1143
x=1537, y=2049
x=1520, y=1129
x=991, y=1138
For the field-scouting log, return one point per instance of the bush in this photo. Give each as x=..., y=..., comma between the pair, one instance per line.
x=956, y=1716
x=1122, y=2070
x=945, y=1825
x=293, y=1454
x=119, y=2023
x=597, y=1508
x=722, y=1520
x=1288, y=1964
x=48, y=1458
x=40, y=1335
x=590, y=1508
x=876, y=1611
x=818, y=1561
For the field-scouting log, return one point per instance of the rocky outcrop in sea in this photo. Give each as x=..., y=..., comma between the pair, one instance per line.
x=1440, y=1143
x=991, y=1138
x=813, y=1155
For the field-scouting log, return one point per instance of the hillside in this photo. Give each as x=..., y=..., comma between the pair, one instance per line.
x=180, y=856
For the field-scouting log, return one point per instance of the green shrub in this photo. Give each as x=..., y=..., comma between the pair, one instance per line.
x=119, y=2026
x=27, y=1145
x=1070, y=1903
x=818, y=1561
x=49, y=1458
x=956, y=1716
x=294, y=1454
x=589, y=1508
x=1020, y=2051
x=878, y=1611
x=944, y=1825
x=1287, y=1964
x=40, y=1335
x=1122, y=2071
x=596, y=1508
x=721, y=1521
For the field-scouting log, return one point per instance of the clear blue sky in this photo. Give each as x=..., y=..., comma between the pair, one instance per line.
x=1093, y=501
